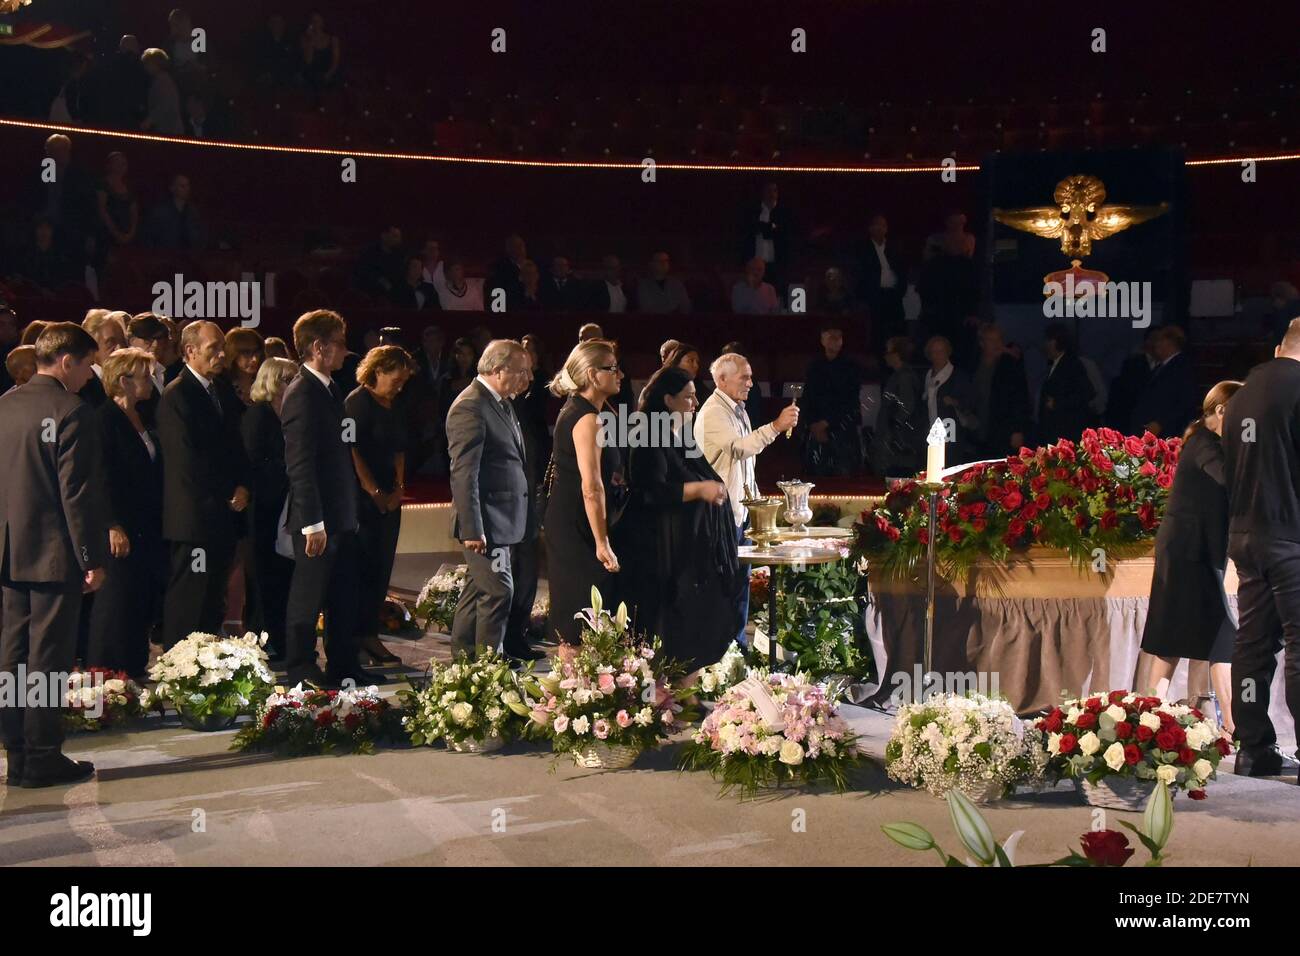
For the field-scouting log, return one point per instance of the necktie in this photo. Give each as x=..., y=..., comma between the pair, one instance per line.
x=514, y=421
x=216, y=401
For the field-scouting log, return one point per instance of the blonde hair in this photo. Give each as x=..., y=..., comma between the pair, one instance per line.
x=585, y=358
x=267, y=384
x=96, y=318
x=123, y=364
x=153, y=55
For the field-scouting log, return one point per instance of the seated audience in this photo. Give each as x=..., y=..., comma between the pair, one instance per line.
x=381, y=265
x=506, y=272
x=561, y=292
x=175, y=223
x=751, y=295
x=413, y=292
x=456, y=293
x=660, y=293
x=834, y=298
x=608, y=293
x=832, y=406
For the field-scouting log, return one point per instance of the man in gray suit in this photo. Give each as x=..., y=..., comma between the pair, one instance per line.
x=489, y=491
x=53, y=537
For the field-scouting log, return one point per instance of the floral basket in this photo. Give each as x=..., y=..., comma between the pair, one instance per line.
x=972, y=743
x=603, y=756
x=308, y=720
x=211, y=680
x=1129, y=741
x=615, y=694
x=715, y=679
x=100, y=699
x=1116, y=793
x=436, y=603
x=772, y=729
x=473, y=705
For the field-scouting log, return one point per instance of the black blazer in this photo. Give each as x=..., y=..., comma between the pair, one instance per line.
x=1264, y=474
x=133, y=480
x=322, y=484
x=52, y=527
x=264, y=444
x=203, y=460
x=404, y=297
x=598, y=296
x=489, y=474
x=92, y=393
x=1168, y=397
x=1071, y=391
x=556, y=299
x=869, y=269
x=779, y=228
x=1008, y=406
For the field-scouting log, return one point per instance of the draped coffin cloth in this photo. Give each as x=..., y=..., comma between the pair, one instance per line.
x=1040, y=627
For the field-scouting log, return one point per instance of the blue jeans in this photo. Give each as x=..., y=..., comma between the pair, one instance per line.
x=742, y=591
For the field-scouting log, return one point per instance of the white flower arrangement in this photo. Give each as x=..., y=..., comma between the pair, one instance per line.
x=97, y=699
x=209, y=676
x=974, y=744
x=465, y=700
x=436, y=603
x=312, y=721
x=717, y=678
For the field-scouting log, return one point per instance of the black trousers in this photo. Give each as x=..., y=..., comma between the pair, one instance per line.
x=327, y=582
x=377, y=539
x=268, y=577
x=524, y=574
x=1268, y=600
x=196, y=588
x=123, y=610
x=40, y=631
x=483, y=611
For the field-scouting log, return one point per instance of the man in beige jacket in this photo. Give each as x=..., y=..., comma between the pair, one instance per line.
x=730, y=444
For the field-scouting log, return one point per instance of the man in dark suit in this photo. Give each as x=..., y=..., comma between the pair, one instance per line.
x=947, y=394
x=882, y=280
x=489, y=491
x=53, y=537
x=767, y=232
x=560, y=291
x=1168, y=399
x=506, y=274
x=322, y=509
x=1261, y=454
x=206, y=476
x=1063, y=401
x=1002, y=395
x=414, y=292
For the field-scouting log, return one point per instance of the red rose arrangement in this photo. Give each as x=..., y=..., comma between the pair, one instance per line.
x=312, y=721
x=1107, y=491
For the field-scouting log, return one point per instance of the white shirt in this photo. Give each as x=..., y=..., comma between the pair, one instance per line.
x=207, y=386
x=765, y=249
x=887, y=278
x=617, y=297
x=435, y=277
x=488, y=385
x=324, y=380
x=729, y=444
x=932, y=384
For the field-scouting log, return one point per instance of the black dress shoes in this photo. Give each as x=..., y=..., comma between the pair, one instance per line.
x=307, y=675
x=57, y=773
x=1263, y=763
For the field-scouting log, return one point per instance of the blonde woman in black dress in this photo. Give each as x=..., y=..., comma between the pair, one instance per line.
x=587, y=490
x=1188, y=614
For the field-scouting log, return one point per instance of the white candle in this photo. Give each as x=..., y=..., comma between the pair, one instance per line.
x=936, y=443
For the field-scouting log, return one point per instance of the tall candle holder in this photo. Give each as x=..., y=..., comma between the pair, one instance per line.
x=931, y=489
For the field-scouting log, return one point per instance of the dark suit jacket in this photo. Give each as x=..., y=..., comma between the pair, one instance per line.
x=264, y=443
x=598, y=296
x=1070, y=390
x=322, y=484
x=1008, y=406
x=869, y=269
x=556, y=299
x=503, y=274
x=92, y=393
x=203, y=460
x=404, y=297
x=1168, y=397
x=489, y=482
x=52, y=527
x=780, y=229
x=134, y=481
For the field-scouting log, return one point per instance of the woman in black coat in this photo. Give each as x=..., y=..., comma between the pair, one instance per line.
x=125, y=605
x=1188, y=614
x=681, y=563
x=268, y=573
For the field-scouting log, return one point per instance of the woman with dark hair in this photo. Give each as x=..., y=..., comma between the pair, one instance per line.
x=1188, y=612
x=687, y=357
x=379, y=458
x=245, y=352
x=682, y=565
x=464, y=362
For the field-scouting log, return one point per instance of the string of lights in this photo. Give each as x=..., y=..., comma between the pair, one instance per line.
x=562, y=163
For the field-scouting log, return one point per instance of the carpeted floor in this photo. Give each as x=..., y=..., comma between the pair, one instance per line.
x=165, y=795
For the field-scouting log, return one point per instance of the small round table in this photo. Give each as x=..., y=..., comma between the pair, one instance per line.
x=780, y=556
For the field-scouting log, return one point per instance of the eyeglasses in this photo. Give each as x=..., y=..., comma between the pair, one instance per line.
x=608, y=368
